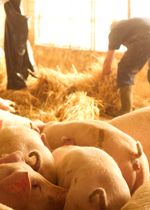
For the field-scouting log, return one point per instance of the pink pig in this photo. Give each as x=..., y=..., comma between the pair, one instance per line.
x=4, y=207
x=13, y=119
x=23, y=188
x=137, y=125
x=36, y=154
x=93, y=178
x=8, y=119
x=7, y=105
x=140, y=199
x=125, y=150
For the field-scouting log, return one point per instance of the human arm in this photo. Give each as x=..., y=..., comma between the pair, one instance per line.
x=107, y=63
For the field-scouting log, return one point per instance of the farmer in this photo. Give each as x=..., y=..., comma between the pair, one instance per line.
x=133, y=33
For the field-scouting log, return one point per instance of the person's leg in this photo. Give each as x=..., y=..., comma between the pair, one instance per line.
x=133, y=60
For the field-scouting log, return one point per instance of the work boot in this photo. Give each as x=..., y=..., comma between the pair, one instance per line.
x=126, y=101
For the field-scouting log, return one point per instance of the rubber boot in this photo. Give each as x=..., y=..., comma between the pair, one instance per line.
x=126, y=101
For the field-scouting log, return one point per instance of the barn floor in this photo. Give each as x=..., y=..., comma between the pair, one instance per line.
x=60, y=94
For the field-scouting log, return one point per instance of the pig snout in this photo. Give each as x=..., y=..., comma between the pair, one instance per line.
x=23, y=188
x=58, y=198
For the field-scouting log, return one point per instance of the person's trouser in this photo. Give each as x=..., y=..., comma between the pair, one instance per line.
x=136, y=56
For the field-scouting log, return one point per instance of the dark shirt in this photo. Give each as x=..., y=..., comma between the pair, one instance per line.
x=124, y=30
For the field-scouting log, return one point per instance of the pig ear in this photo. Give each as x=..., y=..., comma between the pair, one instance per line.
x=37, y=163
x=67, y=141
x=35, y=128
x=1, y=124
x=16, y=156
x=45, y=142
x=17, y=183
x=102, y=197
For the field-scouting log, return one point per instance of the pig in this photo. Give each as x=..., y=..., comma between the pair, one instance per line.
x=4, y=207
x=125, y=150
x=7, y=105
x=13, y=119
x=140, y=199
x=23, y=188
x=137, y=125
x=28, y=141
x=92, y=177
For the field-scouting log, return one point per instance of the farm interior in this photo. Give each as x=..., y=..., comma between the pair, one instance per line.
x=69, y=60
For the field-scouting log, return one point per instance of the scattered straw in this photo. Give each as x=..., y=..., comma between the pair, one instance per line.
x=57, y=96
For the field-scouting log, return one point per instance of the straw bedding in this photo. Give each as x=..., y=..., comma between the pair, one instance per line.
x=57, y=96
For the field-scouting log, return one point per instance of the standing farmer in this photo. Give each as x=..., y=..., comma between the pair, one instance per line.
x=133, y=33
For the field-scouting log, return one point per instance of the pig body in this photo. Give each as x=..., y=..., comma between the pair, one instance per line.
x=28, y=141
x=93, y=178
x=13, y=119
x=140, y=199
x=126, y=152
x=4, y=207
x=23, y=188
x=137, y=125
x=6, y=105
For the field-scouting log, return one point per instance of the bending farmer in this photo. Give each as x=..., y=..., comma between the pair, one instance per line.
x=133, y=33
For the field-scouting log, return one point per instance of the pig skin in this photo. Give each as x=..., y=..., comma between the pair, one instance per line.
x=124, y=149
x=4, y=207
x=88, y=172
x=140, y=199
x=24, y=139
x=23, y=188
x=13, y=119
x=137, y=125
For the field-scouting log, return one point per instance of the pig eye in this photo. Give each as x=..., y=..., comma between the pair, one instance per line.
x=35, y=186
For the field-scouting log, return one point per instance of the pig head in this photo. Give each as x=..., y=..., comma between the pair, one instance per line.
x=36, y=154
x=23, y=188
x=93, y=178
x=125, y=150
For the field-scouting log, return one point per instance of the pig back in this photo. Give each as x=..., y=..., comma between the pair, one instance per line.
x=84, y=169
x=13, y=119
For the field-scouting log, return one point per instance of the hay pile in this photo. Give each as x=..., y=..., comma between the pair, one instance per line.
x=56, y=96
